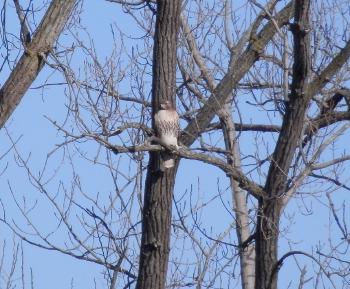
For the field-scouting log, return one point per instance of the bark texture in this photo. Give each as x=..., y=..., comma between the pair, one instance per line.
x=31, y=62
x=156, y=217
x=276, y=183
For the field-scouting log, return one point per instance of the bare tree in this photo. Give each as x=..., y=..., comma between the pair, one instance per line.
x=262, y=93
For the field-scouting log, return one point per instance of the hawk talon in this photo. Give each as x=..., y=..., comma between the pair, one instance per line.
x=174, y=148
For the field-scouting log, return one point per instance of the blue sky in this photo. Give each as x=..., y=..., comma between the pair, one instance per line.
x=37, y=136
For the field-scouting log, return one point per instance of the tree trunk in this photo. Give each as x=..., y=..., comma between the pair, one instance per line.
x=31, y=62
x=266, y=244
x=247, y=252
x=276, y=182
x=156, y=216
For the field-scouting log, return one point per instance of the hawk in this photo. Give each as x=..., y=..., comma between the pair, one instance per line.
x=167, y=127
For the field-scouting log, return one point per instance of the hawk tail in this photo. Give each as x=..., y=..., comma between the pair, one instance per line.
x=168, y=161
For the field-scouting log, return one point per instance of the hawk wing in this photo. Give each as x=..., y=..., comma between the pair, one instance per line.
x=167, y=127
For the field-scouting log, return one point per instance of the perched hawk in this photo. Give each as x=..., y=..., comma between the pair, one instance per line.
x=167, y=126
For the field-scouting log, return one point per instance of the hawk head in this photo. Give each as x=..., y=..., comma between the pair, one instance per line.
x=166, y=105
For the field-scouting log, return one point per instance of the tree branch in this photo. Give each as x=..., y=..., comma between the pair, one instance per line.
x=236, y=71
x=31, y=62
x=279, y=264
x=246, y=184
x=25, y=32
x=323, y=78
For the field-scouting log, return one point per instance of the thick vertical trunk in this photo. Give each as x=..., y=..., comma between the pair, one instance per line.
x=266, y=245
x=276, y=182
x=156, y=216
x=156, y=224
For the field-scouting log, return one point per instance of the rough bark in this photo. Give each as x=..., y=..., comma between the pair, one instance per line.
x=156, y=216
x=31, y=62
x=276, y=182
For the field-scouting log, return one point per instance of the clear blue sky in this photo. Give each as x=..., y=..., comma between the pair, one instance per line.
x=36, y=137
